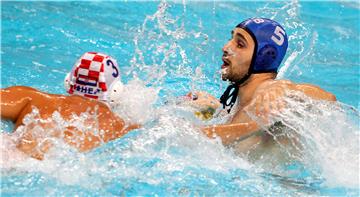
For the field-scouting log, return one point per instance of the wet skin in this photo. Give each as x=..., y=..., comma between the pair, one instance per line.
x=261, y=93
x=18, y=101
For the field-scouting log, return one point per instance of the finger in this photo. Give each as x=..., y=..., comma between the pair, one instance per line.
x=187, y=96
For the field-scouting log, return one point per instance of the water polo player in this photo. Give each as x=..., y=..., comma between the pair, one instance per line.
x=251, y=59
x=93, y=81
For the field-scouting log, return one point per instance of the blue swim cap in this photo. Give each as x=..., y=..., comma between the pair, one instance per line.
x=271, y=43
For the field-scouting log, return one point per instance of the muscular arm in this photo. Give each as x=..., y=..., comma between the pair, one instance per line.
x=232, y=132
x=111, y=127
x=262, y=103
x=14, y=100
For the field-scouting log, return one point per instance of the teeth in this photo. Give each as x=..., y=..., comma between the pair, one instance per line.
x=225, y=60
x=224, y=71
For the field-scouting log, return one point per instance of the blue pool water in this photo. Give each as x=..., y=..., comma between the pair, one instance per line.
x=172, y=48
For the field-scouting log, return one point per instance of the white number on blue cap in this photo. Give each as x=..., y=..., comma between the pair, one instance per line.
x=258, y=20
x=279, y=38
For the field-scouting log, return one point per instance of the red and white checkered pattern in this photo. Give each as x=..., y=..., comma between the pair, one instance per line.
x=89, y=72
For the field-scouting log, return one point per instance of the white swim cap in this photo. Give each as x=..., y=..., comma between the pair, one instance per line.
x=93, y=76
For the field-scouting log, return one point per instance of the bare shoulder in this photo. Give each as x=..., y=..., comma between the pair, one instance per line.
x=277, y=84
x=80, y=101
x=15, y=93
x=310, y=90
x=18, y=89
x=274, y=87
x=20, y=92
x=35, y=94
x=315, y=92
x=267, y=96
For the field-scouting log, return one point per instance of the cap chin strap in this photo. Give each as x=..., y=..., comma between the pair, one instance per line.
x=230, y=95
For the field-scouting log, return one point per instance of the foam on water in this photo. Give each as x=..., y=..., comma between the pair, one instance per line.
x=135, y=102
x=169, y=144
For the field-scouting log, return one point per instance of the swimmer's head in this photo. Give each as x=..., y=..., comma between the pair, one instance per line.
x=258, y=45
x=94, y=75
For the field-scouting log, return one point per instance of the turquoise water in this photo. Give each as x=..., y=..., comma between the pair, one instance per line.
x=174, y=48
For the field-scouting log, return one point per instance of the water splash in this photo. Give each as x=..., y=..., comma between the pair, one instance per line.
x=302, y=38
x=62, y=162
x=168, y=146
x=160, y=45
x=162, y=28
x=322, y=135
x=135, y=102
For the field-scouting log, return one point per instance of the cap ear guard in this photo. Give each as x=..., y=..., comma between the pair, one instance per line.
x=271, y=43
x=265, y=58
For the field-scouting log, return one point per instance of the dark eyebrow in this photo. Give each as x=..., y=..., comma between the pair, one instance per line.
x=239, y=35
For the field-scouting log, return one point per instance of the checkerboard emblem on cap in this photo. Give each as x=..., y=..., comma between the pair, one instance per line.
x=92, y=75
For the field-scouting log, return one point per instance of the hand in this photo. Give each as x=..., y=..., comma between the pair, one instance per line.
x=202, y=100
